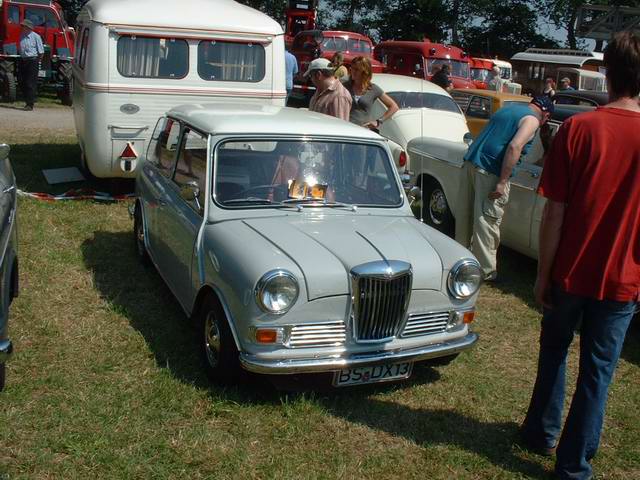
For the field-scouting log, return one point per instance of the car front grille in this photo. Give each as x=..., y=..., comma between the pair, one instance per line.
x=381, y=293
x=317, y=335
x=426, y=324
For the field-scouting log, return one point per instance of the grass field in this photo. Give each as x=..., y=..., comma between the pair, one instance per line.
x=105, y=382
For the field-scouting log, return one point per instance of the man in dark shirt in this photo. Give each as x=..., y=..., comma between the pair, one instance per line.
x=589, y=263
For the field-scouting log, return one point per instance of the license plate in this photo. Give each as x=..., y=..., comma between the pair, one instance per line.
x=42, y=73
x=375, y=374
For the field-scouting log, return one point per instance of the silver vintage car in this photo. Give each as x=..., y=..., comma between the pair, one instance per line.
x=287, y=236
x=8, y=255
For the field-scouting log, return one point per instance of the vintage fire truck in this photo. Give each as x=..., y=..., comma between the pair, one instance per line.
x=58, y=39
x=480, y=69
x=301, y=15
x=419, y=59
x=311, y=44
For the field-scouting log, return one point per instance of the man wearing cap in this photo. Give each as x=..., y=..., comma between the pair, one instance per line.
x=330, y=98
x=488, y=166
x=565, y=84
x=31, y=52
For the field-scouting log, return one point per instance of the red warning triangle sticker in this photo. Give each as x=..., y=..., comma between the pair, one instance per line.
x=128, y=153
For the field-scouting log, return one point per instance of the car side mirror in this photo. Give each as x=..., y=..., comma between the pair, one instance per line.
x=190, y=192
x=4, y=152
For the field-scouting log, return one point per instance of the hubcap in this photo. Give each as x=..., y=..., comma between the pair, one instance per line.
x=437, y=207
x=211, y=339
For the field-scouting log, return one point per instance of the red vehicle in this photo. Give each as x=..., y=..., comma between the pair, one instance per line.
x=418, y=59
x=57, y=37
x=301, y=15
x=480, y=68
x=312, y=44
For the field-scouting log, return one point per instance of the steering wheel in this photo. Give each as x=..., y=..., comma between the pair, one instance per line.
x=279, y=192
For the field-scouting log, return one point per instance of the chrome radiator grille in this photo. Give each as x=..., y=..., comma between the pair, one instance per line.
x=381, y=293
x=317, y=335
x=426, y=324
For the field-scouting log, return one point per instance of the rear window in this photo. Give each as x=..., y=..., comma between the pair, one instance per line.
x=424, y=100
x=462, y=99
x=230, y=61
x=146, y=57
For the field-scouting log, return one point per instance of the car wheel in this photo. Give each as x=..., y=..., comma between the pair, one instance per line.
x=138, y=232
x=442, y=361
x=217, y=346
x=3, y=374
x=435, y=208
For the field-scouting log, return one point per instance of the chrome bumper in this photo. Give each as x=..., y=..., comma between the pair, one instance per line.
x=6, y=349
x=255, y=364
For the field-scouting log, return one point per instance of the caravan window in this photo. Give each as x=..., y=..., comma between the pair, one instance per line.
x=230, y=61
x=145, y=57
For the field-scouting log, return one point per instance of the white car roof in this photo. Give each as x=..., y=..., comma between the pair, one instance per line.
x=256, y=119
x=562, y=56
x=401, y=83
x=207, y=15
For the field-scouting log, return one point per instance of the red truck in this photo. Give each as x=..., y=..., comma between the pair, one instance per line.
x=480, y=69
x=311, y=44
x=57, y=37
x=418, y=59
x=301, y=16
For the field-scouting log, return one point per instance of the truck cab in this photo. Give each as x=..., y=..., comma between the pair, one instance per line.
x=419, y=59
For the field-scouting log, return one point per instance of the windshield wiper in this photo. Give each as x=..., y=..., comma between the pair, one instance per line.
x=316, y=202
x=248, y=200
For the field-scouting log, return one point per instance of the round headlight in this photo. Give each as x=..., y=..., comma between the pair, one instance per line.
x=277, y=291
x=465, y=278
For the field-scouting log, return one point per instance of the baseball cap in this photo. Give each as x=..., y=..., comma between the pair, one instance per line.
x=27, y=23
x=544, y=103
x=318, y=64
x=565, y=79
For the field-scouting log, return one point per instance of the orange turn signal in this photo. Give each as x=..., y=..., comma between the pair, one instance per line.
x=468, y=317
x=266, y=335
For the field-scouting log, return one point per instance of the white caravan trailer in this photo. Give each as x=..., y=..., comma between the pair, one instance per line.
x=138, y=59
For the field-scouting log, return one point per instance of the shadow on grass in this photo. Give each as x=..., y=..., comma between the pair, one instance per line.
x=429, y=427
x=517, y=275
x=28, y=161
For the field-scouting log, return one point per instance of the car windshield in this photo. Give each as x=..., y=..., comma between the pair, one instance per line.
x=424, y=100
x=278, y=173
x=457, y=68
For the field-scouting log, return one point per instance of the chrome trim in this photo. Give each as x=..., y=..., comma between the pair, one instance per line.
x=264, y=281
x=455, y=270
x=316, y=335
x=6, y=349
x=254, y=363
x=427, y=323
x=381, y=292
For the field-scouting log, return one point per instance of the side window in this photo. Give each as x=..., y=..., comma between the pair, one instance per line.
x=163, y=146
x=41, y=17
x=462, y=99
x=14, y=15
x=83, y=48
x=192, y=163
x=479, y=107
x=146, y=57
x=231, y=61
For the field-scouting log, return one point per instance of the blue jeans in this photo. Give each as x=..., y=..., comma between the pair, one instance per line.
x=603, y=325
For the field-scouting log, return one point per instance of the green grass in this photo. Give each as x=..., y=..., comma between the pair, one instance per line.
x=47, y=98
x=105, y=382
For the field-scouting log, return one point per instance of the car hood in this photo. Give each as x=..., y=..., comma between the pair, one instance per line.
x=326, y=248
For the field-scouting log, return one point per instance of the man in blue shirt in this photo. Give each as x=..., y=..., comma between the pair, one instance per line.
x=31, y=52
x=488, y=166
x=291, y=68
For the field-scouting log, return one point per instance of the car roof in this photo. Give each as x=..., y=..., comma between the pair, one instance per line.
x=401, y=83
x=201, y=15
x=493, y=94
x=601, y=97
x=257, y=119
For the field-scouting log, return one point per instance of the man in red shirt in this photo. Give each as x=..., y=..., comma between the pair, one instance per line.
x=589, y=265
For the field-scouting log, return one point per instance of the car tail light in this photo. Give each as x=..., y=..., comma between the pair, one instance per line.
x=402, y=159
x=128, y=153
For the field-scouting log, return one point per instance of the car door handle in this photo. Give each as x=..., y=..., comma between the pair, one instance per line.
x=8, y=189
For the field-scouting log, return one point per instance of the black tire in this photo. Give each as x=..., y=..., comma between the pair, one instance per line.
x=65, y=92
x=9, y=86
x=217, y=346
x=435, y=208
x=138, y=235
x=442, y=361
x=3, y=374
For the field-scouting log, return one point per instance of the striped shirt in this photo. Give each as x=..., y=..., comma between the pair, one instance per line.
x=31, y=45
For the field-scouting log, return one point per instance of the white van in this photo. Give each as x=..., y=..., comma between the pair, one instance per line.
x=138, y=59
